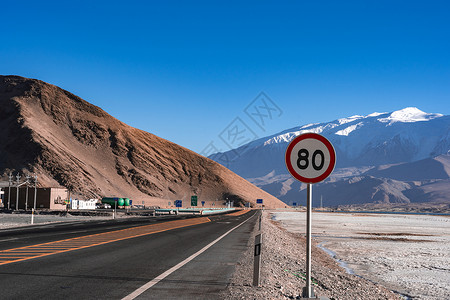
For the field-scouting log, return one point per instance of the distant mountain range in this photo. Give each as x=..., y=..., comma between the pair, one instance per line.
x=69, y=142
x=397, y=157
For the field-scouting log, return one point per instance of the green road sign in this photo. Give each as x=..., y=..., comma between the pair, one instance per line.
x=193, y=200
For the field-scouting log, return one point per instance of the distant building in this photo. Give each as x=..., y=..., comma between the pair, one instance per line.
x=50, y=198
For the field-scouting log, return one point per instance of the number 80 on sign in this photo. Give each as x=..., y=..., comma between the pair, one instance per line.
x=310, y=158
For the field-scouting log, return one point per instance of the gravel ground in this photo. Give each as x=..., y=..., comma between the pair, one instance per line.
x=406, y=253
x=283, y=256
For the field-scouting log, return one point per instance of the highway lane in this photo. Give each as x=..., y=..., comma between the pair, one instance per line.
x=114, y=270
x=23, y=236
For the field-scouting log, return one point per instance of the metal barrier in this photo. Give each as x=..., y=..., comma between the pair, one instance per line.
x=201, y=211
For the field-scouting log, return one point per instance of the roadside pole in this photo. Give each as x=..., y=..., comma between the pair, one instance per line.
x=26, y=196
x=260, y=217
x=17, y=191
x=257, y=255
x=35, y=191
x=9, y=189
x=32, y=216
x=257, y=260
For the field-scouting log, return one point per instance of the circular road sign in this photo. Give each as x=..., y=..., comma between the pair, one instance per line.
x=310, y=158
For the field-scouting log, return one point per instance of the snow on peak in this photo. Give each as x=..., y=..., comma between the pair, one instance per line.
x=286, y=137
x=349, y=119
x=282, y=138
x=309, y=125
x=407, y=115
x=349, y=129
x=375, y=114
x=346, y=126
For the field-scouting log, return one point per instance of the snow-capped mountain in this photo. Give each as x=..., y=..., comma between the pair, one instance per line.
x=361, y=143
x=379, y=138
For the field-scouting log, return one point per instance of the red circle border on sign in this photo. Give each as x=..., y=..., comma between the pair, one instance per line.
x=301, y=138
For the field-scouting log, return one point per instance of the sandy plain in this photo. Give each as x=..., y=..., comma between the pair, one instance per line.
x=409, y=254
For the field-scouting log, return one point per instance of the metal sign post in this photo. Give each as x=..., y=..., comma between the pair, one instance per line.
x=308, y=293
x=310, y=158
x=260, y=201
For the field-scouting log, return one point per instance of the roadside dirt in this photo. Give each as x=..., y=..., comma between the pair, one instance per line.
x=283, y=266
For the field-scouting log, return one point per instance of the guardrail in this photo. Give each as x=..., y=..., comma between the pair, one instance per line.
x=200, y=211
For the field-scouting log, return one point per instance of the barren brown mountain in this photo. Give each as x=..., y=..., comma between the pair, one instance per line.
x=69, y=142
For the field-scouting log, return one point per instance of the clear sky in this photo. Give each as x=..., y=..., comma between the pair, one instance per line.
x=184, y=70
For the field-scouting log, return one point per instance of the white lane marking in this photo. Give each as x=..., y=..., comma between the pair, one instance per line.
x=157, y=279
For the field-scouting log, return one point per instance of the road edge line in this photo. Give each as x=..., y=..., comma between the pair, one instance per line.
x=157, y=279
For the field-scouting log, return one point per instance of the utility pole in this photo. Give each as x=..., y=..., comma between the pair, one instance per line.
x=17, y=194
x=26, y=196
x=35, y=191
x=9, y=189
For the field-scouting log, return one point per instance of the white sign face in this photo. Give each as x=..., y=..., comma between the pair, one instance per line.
x=310, y=158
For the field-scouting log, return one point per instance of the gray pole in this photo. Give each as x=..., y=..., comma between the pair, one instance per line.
x=26, y=199
x=9, y=189
x=35, y=191
x=309, y=293
x=17, y=194
x=26, y=196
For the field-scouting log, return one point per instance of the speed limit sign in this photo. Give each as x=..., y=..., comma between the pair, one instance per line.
x=310, y=158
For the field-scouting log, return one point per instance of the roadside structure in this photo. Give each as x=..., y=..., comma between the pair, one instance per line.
x=48, y=197
x=3, y=187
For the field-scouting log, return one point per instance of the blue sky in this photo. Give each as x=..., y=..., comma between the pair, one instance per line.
x=184, y=70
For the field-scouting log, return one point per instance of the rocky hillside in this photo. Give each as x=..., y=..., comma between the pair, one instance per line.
x=69, y=142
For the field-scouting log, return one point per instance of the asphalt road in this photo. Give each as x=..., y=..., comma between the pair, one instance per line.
x=23, y=236
x=117, y=269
